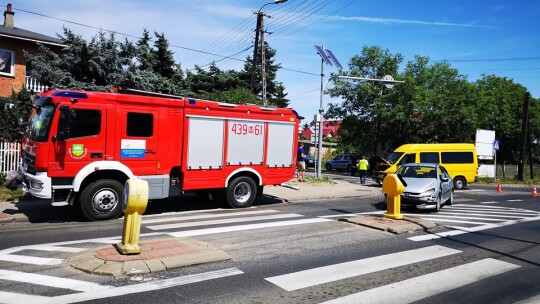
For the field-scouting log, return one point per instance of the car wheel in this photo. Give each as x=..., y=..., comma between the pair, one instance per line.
x=451, y=199
x=328, y=167
x=459, y=183
x=241, y=192
x=438, y=205
x=349, y=167
x=101, y=200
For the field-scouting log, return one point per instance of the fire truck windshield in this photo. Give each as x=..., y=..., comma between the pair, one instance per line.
x=40, y=123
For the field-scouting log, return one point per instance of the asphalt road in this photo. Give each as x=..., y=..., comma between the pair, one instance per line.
x=487, y=252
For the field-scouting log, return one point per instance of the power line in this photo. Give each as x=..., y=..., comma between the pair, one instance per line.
x=123, y=34
x=492, y=59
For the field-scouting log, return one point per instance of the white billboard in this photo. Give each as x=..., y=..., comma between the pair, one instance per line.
x=484, y=143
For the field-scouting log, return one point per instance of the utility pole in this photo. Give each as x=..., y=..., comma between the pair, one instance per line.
x=263, y=64
x=255, y=50
x=524, y=125
x=260, y=31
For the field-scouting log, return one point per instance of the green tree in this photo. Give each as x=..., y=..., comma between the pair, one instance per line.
x=96, y=65
x=500, y=108
x=11, y=110
x=366, y=108
x=275, y=91
x=215, y=84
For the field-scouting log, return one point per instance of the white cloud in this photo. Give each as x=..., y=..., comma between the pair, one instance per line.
x=405, y=21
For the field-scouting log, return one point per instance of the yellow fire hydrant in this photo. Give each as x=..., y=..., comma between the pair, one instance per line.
x=393, y=186
x=134, y=203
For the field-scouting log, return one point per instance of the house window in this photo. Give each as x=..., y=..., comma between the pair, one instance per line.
x=7, y=62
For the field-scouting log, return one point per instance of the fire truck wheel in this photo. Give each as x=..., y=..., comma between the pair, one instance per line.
x=101, y=200
x=241, y=192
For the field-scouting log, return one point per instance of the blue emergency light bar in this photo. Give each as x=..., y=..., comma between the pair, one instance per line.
x=68, y=94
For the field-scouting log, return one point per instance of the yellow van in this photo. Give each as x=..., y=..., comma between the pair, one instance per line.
x=459, y=160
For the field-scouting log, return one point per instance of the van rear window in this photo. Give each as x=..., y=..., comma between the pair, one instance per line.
x=457, y=157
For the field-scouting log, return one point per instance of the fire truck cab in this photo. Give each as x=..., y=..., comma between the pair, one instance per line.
x=80, y=148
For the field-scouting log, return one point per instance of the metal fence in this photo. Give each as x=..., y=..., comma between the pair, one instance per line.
x=33, y=84
x=509, y=171
x=10, y=158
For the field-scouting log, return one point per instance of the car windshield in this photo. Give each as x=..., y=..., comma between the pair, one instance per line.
x=417, y=171
x=394, y=157
x=40, y=123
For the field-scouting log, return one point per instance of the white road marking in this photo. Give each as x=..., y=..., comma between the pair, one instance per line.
x=326, y=274
x=166, y=214
x=408, y=291
x=50, y=281
x=55, y=248
x=13, y=298
x=246, y=227
x=471, y=229
x=204, y=216
x=25, y=259
x=434, y=217
x=223, y=221
x=489, y=202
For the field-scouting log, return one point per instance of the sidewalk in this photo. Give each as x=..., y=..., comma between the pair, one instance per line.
x=167, y=253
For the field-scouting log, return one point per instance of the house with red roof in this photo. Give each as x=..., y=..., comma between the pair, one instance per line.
x=330, y=128
x=14, y=41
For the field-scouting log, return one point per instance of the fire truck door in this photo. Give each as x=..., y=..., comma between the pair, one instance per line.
x=86, y=141
x=138, y=142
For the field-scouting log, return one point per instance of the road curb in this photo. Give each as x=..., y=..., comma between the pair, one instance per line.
x=403, y=226
x=156, y=256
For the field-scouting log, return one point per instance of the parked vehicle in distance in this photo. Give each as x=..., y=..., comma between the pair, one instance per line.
x=341, y=162
x=429, y=186
x=310, y=161
x=458, y=158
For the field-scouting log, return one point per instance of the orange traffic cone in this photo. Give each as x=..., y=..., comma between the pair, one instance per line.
x=499, y=189
x=534, y=193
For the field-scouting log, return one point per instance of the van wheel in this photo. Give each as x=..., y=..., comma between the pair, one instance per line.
x=101, y=200
x=459, y=183
x=241, y=192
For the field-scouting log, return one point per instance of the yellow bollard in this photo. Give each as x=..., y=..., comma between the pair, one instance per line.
x=393, y=186
x=134, y=204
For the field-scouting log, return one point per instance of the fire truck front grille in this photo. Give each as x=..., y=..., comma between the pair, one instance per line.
x=29, y=161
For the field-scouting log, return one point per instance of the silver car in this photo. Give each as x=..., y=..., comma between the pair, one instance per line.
x=429, y=186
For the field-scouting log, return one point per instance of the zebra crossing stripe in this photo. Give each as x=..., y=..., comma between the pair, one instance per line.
x=408, y=291
x=223, y=221
x=246, y=227
x=19, y=298
x=24, y=259
x=108, y=291
x=470, y=229
x=142, y=287
x=49, y=281
x=55, y=248
x=204, y=216
x=326, y=274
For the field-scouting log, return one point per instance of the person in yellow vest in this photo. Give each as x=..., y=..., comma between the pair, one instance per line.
x=362, y=169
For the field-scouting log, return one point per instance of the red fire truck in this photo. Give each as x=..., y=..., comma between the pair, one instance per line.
x=80, y=148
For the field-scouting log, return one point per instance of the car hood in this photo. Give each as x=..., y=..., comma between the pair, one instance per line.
x=379, y=160
x=418, y=185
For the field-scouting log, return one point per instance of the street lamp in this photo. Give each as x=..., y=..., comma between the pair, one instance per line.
x=388, y=82
x=260, y=29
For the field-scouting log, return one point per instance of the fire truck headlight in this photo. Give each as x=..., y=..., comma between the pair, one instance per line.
x=35, y=184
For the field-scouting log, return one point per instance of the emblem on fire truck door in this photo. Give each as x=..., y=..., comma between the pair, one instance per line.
x=77, y=151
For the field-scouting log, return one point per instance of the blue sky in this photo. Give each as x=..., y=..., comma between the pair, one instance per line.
x=476, y=37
